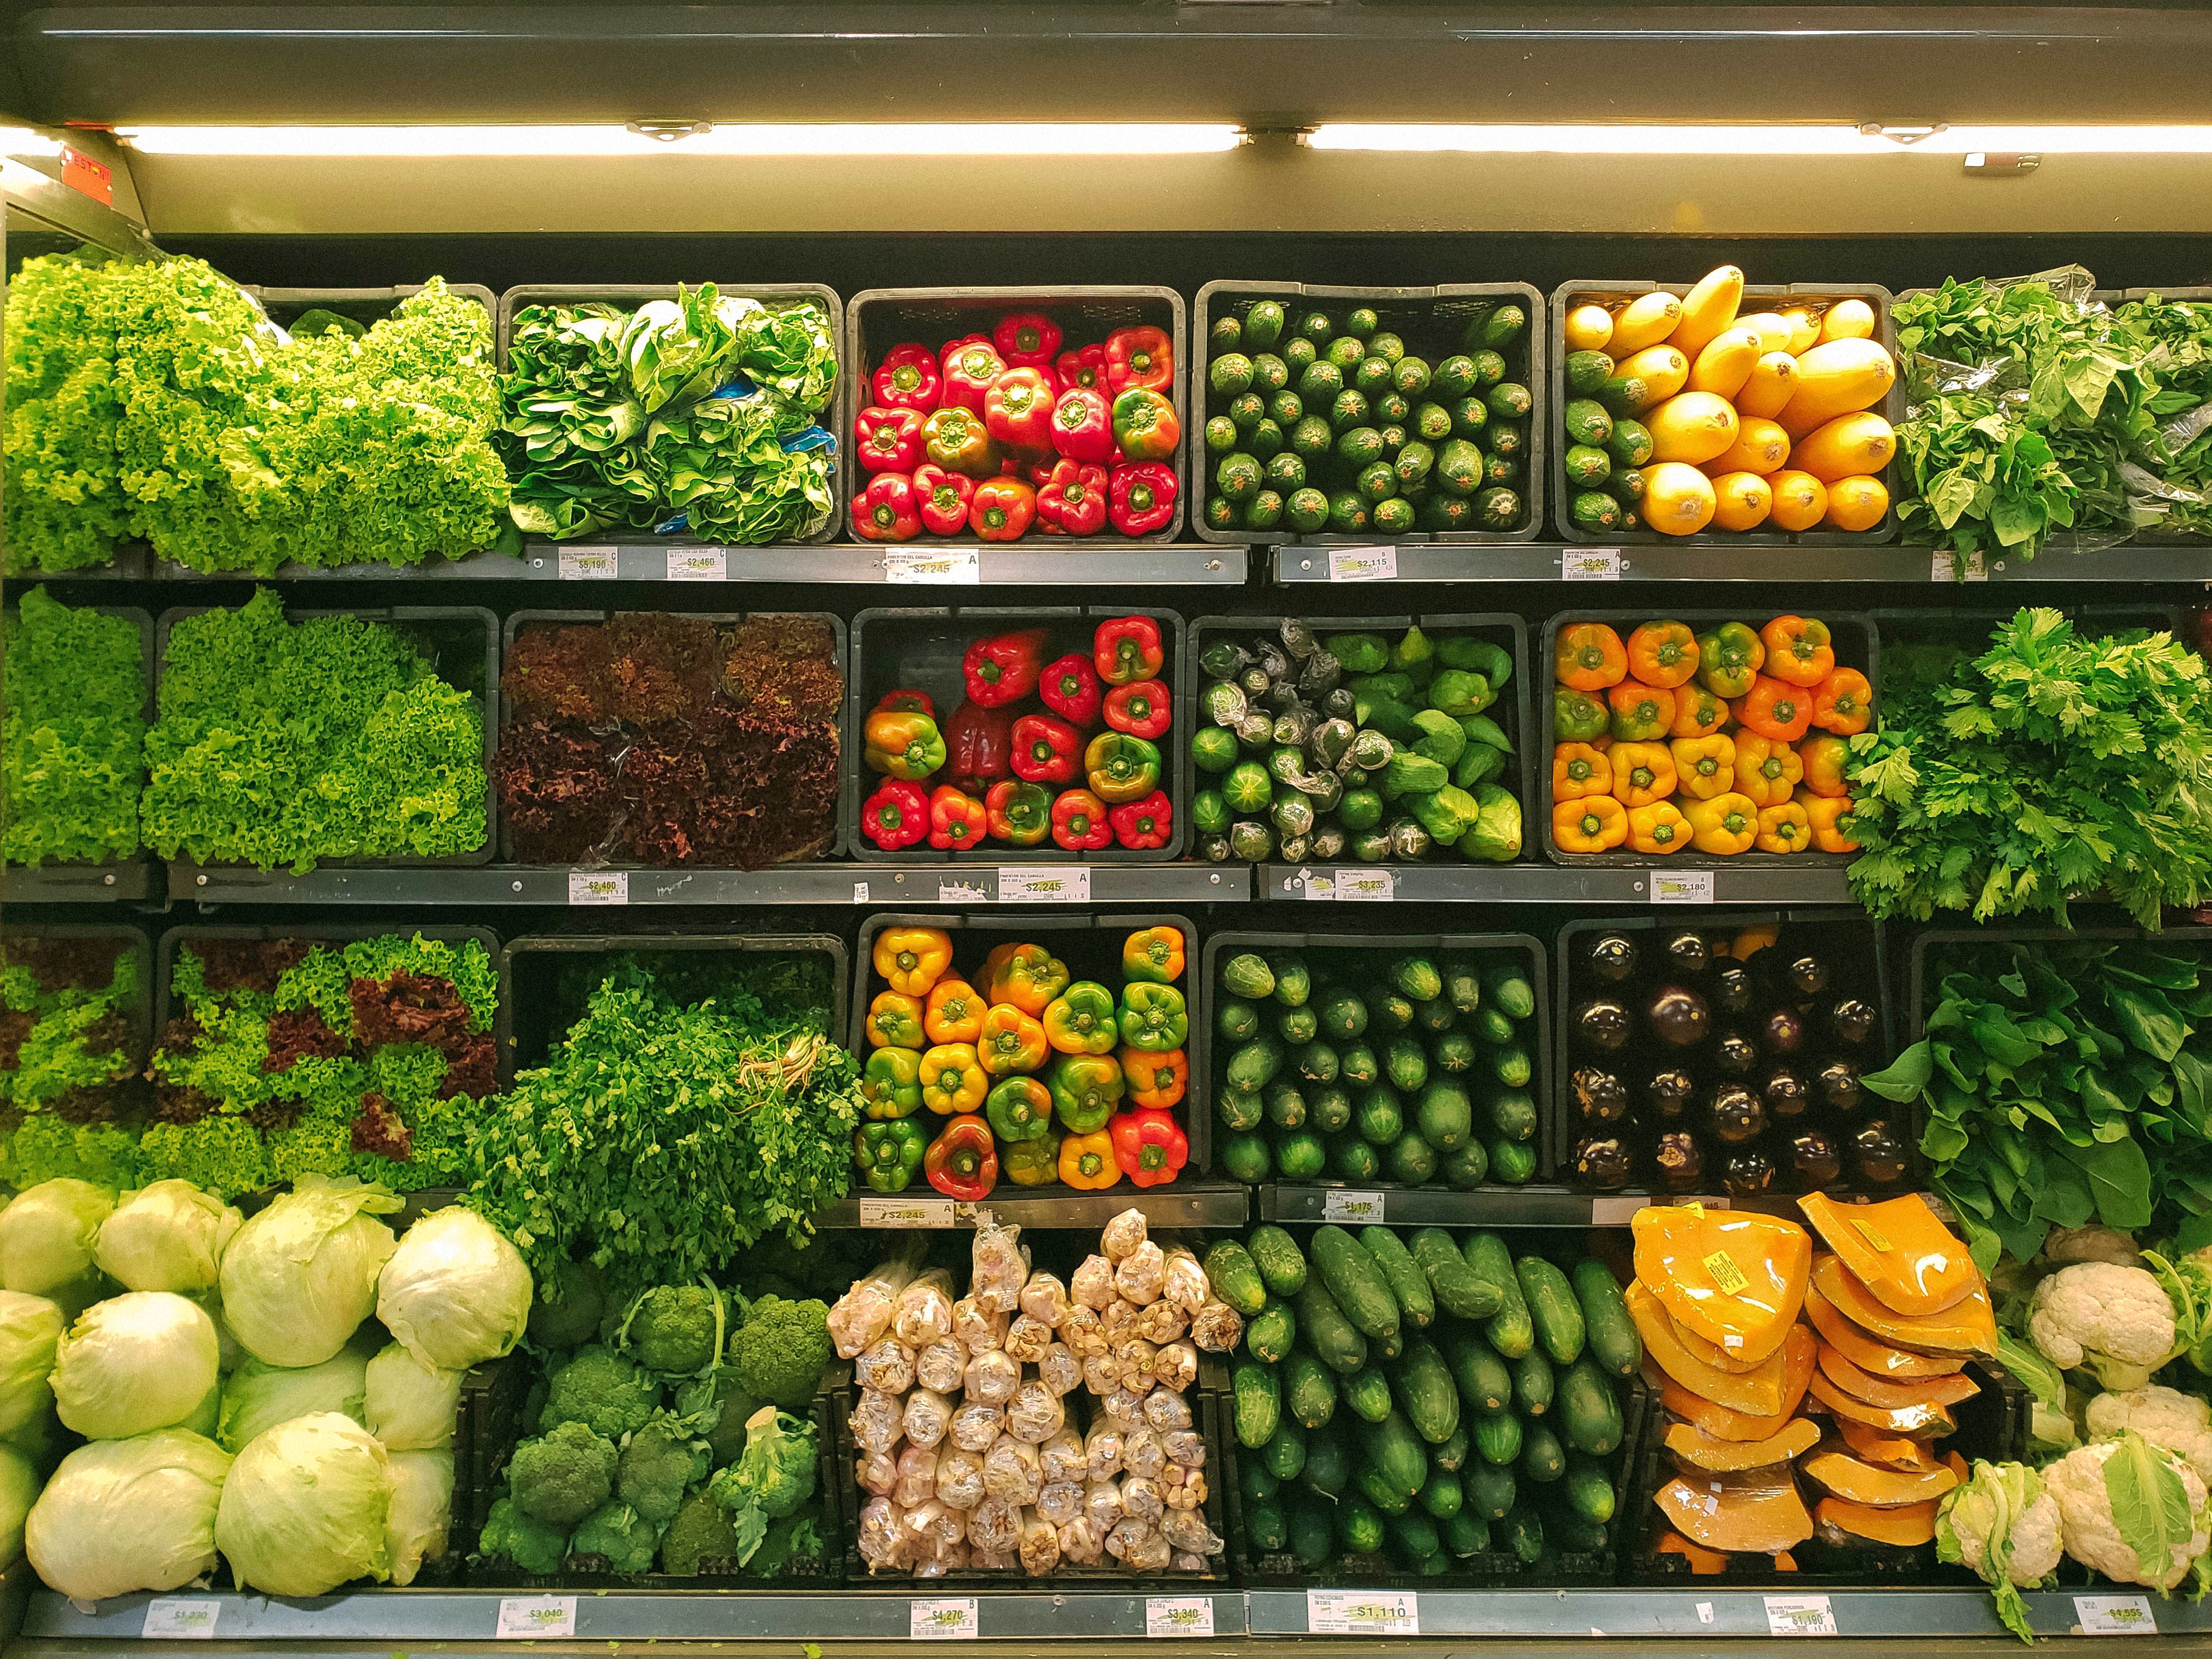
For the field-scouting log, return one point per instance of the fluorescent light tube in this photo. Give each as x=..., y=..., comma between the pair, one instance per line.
x=21, y=140
x=876, y=139
x=1631, y=138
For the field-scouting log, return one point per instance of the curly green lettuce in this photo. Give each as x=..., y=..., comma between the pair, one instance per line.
x=73, y=734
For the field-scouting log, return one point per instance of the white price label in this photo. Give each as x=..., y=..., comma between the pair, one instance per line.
x=598, y=887
x=587, y=564
x=1363, y=1613
x=906, y=1212
x=1363, y=564
x=950, y=1619
x=175, y=1618
x=961, y=565
x=1339, y=1205
x=529, y=1616
x=1044, y=884
x=1800, y=1615
x=1590, y=564
x=1704, y=1613
x=859, y=892
x=2115, y=1615
x=697, y=564
x=1320, y=884
x=1365, y=886
x=956, y=890
x=1681, y=887
x=1178, y=1616
x=1615, y=1212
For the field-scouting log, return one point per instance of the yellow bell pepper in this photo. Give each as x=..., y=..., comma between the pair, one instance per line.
x=1784, y=828
x=912, y=959
x=954, y=1012
x=1596, y=823
x=894, y=1021
x=1153, y=953
x=1765, y=770
x=1087, y=1162
x=1641, y=773
x=1826, y=813
x=953, y=1079
x=1658, y=828
x=1697, y=713
x=1156, y=1077
x=1027, y=976
x=1823, y=756
x=1578, y=770
x=1726, y=825
x=1704, y=767
x=1012, y=1041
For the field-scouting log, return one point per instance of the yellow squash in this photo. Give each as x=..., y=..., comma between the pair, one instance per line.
x=1644, y=322
x=1848, y=319
x=1662, y=369
x=1801, y=500
x=1761, y=446
x=1742, y=501
x=1707, y=308
x=1850, y=445
x=1836, y=378
x=1771, y=384
x=1692, y=426
x=1855, y=503
x=1677, y=499
x=1725, y=363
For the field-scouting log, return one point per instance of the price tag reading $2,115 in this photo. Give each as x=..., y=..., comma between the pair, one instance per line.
x=1363, y=564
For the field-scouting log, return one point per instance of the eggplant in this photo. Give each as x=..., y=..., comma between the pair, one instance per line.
x=1815, y=1161
x=1687, y=953
x=1602, y=1161
x=1804, y=976
x=1599, y=1097
x=1678, y=1017
x=1784, y=1093
x=1734, y=1115
x=1611, y=957
x=1840, y=1093
x=1670, y=1093
x=1783, y=1032
x=1734, y=1055
x=1881, y=1154
x=1682, y=1161
x=1748, y=1173
x=1851, y=1020
x=1730, y=991
x=1602, y=1025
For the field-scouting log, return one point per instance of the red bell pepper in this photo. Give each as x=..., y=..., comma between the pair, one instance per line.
x=1082, y=425
x=1140, y=498
x=1079, y=821
x=886, y=511
x=1070, y=688
x=1020, y=814
x=1027, y=340
x=1149, y=1146
x=1143, y=356
x=1126, y=649
x=962, y=1162
x=956, y=818
x=942, y=498
x=1017, y=409
x=1142, y=709
x=896, y=816
x=905, y=702
x=1036, y=470
x=1072, y=500
x=908, y=378
x=1141, y=825
x=1047, y=751
x=979, y=742
x=887, y=440
x=958, y=440
x=1003, y=509
x=1145, y=425
x=1084, y=366
x=970, y=366
x=1004, y=668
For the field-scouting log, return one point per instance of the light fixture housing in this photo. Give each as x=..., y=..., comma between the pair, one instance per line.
x=1747, y=139
x=687, y=137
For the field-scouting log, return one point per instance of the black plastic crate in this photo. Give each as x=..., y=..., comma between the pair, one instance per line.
x=519, y=622
x=138, y=1009
x=485, y=1431
x=1921, y=983
x=1221, y=945
x=1757, y=296
x=1858, y=644
x=1853, y=943
x=1434, y=316
x=143, y=621
x=1514, y=711
x=1091, y=945
x=461, y=644
x=882, y=318
x=920, y=647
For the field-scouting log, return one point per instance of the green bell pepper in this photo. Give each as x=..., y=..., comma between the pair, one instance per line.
x=1120, y=768
x=1153, y=1016
x=1080, y=1019
x=1019, y=1108
x=1578, y=717
x=890, y=1152
x=890, y=1083
x=1085, y=1089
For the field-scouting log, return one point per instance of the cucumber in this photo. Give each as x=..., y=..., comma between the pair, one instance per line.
x=1309, y=1390
x=1511, y=1066
x=1395, y=1450
x=1524, y=1534
x=1509, y=990
x=1508, y=1329
x=1355, y=1282
x=1248, y=976
x=1455, y=1452
x=1235, y=1276
x=1358, y=1525
x=1442, y=1496
x=1270, y=1337
x=1368, y=1394
x=1285, y=1454
x=1264, y=1526
x=1329, y=1465
x=1498, y=1439
x=1258, y=1403
x=1485, y=1385
x=1377, y=1489
x=1275, y=1253
x=1298, y=1026
x=1534, y=1384
x=1589, y=1489
x=1416, y=1536
x=1237, y=1020
x=1461, y=985
x=1238, y=1108
x=1492, y=1025
x=1407, y=1283
x=1513, y=1162
x=1589, y=1410
x=1461, y=1292
x=1254, y=1065
x=1513, y=1114
x=1491, y=1489
x=1467, y=1533
x=1552, y=1308
x=1328, y=1334
x=1567, y=1533
x=1543, y=1460
x=1389, y=1347
x=1312, y=1534
x=1612, y=1339
x=1254, y=1482
x=1422, y=1386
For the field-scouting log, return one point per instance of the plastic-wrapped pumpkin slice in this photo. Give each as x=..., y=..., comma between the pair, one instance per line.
x=1734, y=1278
x=1691, y=1448
x=1703, y=1563
x=1800, y=1354
x=1868, y=1352
x=1893, y=1451
x=1841, y=1476
x=1909, y=1261
x=1756, y=1393
x=1904, y=1527
x=1929, y=1419
x=1710, y=1352
x=1880, y=1391
x=1967, y=1326
x=1739, y=1518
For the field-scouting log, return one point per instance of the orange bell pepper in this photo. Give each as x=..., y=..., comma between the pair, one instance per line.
x=1765, y=770
x=1641, y=773
x=1596, y=823
x=1775, y=708
x=1012, y=1041
x=1027, y=976
x=1783, y=829
x=1153, y=953
x=1704, y=767
x=912, y=959
x=1826, y=813
x=1087, y=1162
x=1797, y=651
x=1589, y=657
x=894, y=1021
x=1697, y=713
x=1842, y=703
x=1726, y=825
x=1156, y=1077
x=953, y=1079
x=1823, y=757
x=1662, y=654
x=1640, y=712
x=954, y=1012
x=1578, y=770
x=1658, y=828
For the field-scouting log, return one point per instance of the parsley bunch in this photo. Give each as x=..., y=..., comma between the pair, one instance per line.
x=2051, y=767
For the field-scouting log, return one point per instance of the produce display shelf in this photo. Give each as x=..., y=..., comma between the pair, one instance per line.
x=796, y=884
x=77, y=884
x=1694, y=560
x=1198, y=1203
x=1534, y=1205
x=1528, y=882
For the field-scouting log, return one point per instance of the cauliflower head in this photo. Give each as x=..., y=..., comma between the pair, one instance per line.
x=529, y=1544
x=2179, y=1423
x=601, y=1389
x=2135, y=1513
x=2003, y=1525
x=562, y=1475
x=2117, y=1321
x=659, y=1464
x=2065, y=1245
x=619, y=1533
x=782, y=1350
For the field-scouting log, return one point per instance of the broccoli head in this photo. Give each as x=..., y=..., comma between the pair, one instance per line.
x=700, y=1532
x=675, y=1330
x=782, y=1350
x=719, y=1405
x=620, y=1534
x=564, y=1476
x=531, y=1544
x=566, y=1308
x=776, y=1473
x=659, y=1464
x=794, y=1538
x=604, y=1391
